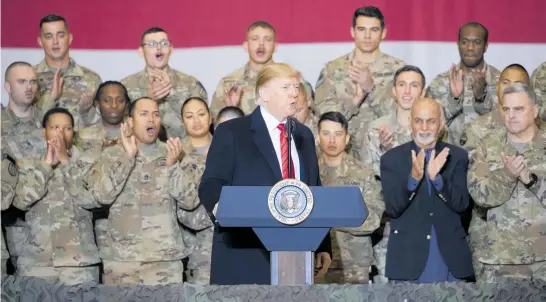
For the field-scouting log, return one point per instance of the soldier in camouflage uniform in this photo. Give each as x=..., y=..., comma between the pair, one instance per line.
x=21, y=137
x=387, y=132
x=359, y=84
x=169, y=87
x=60, y=247
x=111, y=100
x=473, y=135
x=538, y=82
x=238, y=88
x=197, y=121
x=143, y=184
x=507, y=177
x=468, y=89
x=10, y=176
x=304, y=114
x=486, y=123
x=63, y=83
x=352, y=254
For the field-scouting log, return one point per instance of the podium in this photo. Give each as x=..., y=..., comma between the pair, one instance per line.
x=291, y=246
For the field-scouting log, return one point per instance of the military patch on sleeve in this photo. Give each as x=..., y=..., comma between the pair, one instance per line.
x=8, y=163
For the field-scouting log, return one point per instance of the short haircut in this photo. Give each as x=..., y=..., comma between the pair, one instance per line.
x=516, y=66
x=230, y=112
x=336, y=117
x=108, y=83
x=53, y=18
x=521, y=88
x=409, y=68
x=262, y=24
x=53, y=111
x=369, y=11
x=152, y=30
x=273, y=71
x=132, y=105
x=13, y=65
x=475, y=25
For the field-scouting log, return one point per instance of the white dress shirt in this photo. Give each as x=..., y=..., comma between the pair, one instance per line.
x=271, y=123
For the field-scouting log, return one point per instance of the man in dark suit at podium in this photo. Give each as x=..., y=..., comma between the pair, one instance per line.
x=253, y=151
x=425, y=193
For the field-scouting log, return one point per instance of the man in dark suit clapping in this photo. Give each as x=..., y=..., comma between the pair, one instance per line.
x=425, y=193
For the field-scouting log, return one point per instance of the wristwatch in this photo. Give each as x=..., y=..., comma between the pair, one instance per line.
x=534, y=179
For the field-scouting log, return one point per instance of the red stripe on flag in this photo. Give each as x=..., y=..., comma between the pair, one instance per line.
x=111, y=24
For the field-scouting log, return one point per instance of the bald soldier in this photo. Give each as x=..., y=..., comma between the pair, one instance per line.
x=467, y=90
x=359, y=84
x=538, y=82
x=21, y=137
x=142, y=182
x=351, y=247
x=425, y=193
x=63, y=83
x=507, y=177
x=238, y=88
x=167, y=86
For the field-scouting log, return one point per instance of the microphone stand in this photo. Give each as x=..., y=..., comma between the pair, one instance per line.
x=289, y=125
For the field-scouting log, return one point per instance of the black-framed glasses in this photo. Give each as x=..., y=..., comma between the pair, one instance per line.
x=154, y=44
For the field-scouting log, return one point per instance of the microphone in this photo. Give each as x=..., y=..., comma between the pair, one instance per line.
x=290, y=126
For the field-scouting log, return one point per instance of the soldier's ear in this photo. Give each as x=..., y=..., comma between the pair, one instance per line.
x=423, y=92
x=7, y=87
x=69, y=39
x=245, y=46
x=352, y=32
x=535, y=111
x=347, y=139
x=40, y=42
x=394, y=90
x=44, y=134
x=130, y=121
x=140, y=51
x=383, y=33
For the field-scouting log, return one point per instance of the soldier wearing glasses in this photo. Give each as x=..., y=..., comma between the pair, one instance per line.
x=169, y=87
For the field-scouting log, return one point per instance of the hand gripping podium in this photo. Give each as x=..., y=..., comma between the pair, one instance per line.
x=291, y=246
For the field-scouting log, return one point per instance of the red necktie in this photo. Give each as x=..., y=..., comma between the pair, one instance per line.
x=284, y=154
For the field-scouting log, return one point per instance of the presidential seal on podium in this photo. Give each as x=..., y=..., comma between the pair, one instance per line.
x=290, y=201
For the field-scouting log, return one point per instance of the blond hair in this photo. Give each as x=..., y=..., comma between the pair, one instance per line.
x=274, y=71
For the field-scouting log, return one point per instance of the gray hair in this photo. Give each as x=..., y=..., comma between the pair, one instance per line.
x=521, y=88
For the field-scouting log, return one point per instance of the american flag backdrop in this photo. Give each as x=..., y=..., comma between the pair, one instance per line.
x=208, y=34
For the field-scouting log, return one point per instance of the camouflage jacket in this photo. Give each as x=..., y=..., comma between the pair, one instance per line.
x=372, y=150
x=352, y=247
x=60, y=228
x=538, y=82
x=94, y=138
x=143, y=194
x=170, y=108
x=194, y=164
x=475, y=132
x=312, y=124
x=77, y=80
x=459, y=114
x=245, y=77
x=335, y=92
x=516, y=216
x=10, y=176
x=22, y=137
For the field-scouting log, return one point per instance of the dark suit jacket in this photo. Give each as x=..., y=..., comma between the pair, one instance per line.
x=413, y=213
x=242, y=154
